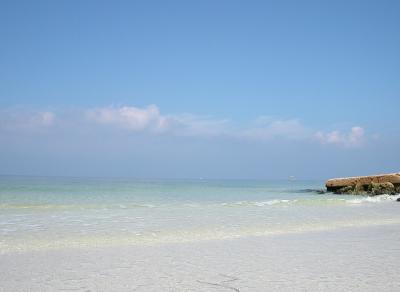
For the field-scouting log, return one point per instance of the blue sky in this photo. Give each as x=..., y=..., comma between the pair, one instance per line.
x=219, y=89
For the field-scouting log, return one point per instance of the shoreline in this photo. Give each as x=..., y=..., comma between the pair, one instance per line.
x=89, y=242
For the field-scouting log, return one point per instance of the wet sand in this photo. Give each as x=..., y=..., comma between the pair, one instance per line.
x=348, y=259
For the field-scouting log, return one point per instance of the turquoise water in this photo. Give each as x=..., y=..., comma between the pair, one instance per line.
x=39, y=213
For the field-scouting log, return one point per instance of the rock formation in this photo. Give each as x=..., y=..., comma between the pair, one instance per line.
x=371, y=185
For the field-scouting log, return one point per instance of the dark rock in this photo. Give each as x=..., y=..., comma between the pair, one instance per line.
x=336, y=183
x=317, y=191
x=345, y=190
x=398, y=200
x=382, y=188
x=372, y=185
x=360, y=189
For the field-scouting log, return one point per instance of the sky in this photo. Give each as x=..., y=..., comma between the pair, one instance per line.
x=190, y=89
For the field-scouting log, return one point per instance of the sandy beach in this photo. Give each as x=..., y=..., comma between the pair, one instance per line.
x=348, y=259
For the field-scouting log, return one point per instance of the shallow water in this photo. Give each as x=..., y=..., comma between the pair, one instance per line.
x=40, y=213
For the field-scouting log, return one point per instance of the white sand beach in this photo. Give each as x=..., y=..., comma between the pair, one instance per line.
x=347, y=259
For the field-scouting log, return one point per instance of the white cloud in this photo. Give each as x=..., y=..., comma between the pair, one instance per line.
x=355, y=138
x=150, y=119
x=129, y=117
x=263, y=129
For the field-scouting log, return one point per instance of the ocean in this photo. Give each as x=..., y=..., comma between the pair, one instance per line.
x=53, y=213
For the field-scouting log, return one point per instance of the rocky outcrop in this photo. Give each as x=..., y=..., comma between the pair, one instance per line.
x=371, y=185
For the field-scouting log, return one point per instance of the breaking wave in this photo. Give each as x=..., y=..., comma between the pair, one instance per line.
x=374, y=199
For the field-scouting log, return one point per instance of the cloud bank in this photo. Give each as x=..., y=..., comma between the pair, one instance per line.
x=150, y=120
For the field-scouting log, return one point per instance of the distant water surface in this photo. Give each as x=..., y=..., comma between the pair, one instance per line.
x=39, y=213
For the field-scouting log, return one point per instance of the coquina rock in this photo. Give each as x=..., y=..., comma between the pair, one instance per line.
x=372, y=184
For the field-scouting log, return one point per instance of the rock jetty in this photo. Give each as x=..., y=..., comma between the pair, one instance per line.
x=365, y=185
